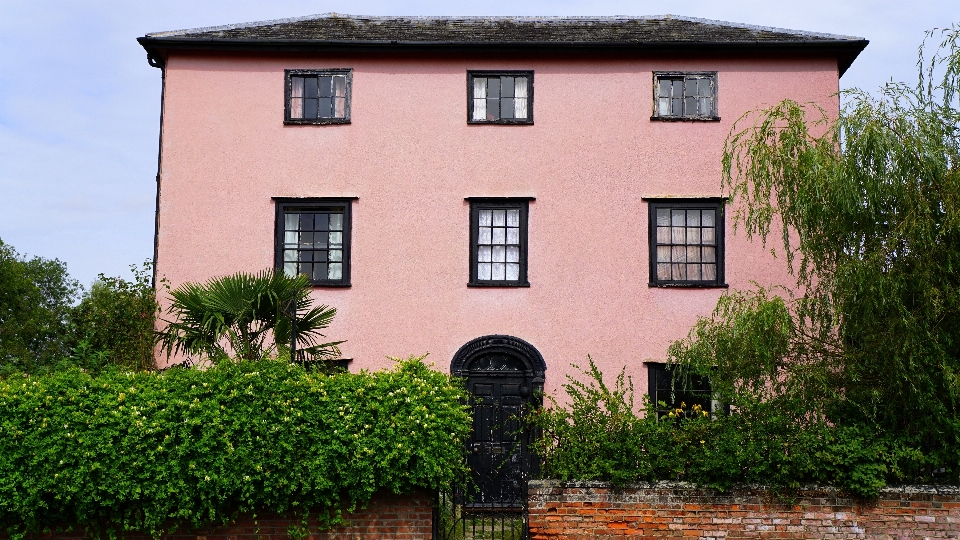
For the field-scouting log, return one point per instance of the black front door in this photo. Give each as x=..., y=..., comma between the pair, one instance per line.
x=497, y=452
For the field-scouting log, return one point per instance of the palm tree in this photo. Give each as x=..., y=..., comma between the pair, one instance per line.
x=247, y=316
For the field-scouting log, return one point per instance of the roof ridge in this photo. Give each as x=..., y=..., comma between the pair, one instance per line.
x=519, y=18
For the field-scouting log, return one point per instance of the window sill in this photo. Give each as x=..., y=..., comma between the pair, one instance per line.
x=685, y=118
x=689, y=285
x=500, y=122
x=482, y=284
x=330, y=285
x=316, y=122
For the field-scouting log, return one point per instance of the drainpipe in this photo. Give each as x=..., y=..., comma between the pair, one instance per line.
x=157, y=61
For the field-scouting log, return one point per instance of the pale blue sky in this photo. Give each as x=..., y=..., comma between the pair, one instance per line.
x=79, y=106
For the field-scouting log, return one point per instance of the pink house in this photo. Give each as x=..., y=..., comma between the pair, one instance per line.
x=508, y=194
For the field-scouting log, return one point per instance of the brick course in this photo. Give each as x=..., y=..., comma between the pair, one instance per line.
x=595, y=510
x=388, y=517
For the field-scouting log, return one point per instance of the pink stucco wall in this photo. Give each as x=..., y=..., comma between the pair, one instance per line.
x=410, y=158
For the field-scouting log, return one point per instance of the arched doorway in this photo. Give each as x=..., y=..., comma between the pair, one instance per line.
x=504, y=376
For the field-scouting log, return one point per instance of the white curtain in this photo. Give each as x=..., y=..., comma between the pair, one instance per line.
x=296, y=98
x=339, y=96
x=520, y=95
x=480, y=99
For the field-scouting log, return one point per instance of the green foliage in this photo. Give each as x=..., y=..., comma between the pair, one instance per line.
x=237, y=316
x=114, y=323
x=131, y=451
x=600, y=436
x=865, y=361
x=35, y=298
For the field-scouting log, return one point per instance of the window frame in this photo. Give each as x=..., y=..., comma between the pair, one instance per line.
x=498, y=203
x=471, y=74
x=282, y=203
x=705, y=203
x=288, y=75
x=715, y=114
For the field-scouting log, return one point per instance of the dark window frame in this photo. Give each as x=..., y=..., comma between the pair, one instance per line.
x=706, y=203
x=471, y=74
x=288, y=75
x=283, y=203
x=498, y=203
x=657, y=371
x=713, y=117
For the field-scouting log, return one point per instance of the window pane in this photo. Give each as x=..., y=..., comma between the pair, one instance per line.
x=340, y=85
x=708, y=218
x=336, y=238
x=690, y=106
x=693, y=254
x=306, y=240
x=520, y=108
x=506, y=108
x=663, y=216
x=663, y=272
x=485, y=236
x=665, y=86
x=320, y=256
x=513, y=218
x=493, y=109
x=296, y=87
x=483, y=254
x=306, y=268
x=678, y=218
x=499, y=218
x=320, y=272
x=513, y=236
x=321, y=222
x=486, y=218
x=693, y=218
x=306, y=222
x=709, y=236
x=493, y=88
x=310, y=87
x=507, y=87
x=513, y=254
x=513, y=272
x=291, y=221
x=325, y=108
x=289, y=255
x=663, y=253
x=498, y=271
x=309, y=108
x=677, y=107
x=693, y=236
x=693, y=272
x=483, y=271
x=324, y=86
x=335, y=271
x=709, y=254
x=336, y=222
x=678, y=236
x=710, y=272
x=706, y=107
x=499, y=235
x=664, y=108
x=690, y=88
x=336, y=255
x=320, y=240
x=499, y=254
x=679, y=271
x=290, y=237
x=296, y=108
x=678, y=254
x=663, y=235
x=339, y=107
x=290, y=269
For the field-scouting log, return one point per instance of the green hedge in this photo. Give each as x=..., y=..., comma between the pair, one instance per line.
x=150, y=451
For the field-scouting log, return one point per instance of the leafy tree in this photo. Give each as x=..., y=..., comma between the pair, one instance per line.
x=114, y=322
x=35, y=299
x=247, y=316
x=869, y=208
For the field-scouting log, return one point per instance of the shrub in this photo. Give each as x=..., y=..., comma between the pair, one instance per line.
x=601, y=436
x=148, y=451
x=114, y=323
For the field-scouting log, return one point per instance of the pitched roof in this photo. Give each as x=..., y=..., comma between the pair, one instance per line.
x=624, y=32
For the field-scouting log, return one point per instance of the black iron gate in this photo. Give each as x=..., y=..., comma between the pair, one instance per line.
x=491, y=503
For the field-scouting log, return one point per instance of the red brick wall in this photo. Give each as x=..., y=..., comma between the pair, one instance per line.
x=581, y=510
x=389, y=517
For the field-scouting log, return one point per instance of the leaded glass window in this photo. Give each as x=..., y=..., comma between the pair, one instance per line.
x=500, y=98
x=685, y=95
x=498, y=247
x=687, y=243
x=318, y=97
x=314, y=241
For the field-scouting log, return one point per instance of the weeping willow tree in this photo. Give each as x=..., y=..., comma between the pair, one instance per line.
x=866, y=210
